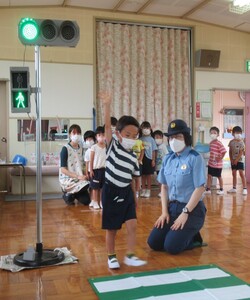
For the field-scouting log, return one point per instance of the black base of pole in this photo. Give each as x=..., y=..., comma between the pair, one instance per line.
x=47, y=257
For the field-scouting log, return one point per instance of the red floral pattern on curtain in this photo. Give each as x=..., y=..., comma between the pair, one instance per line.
x=147, y=70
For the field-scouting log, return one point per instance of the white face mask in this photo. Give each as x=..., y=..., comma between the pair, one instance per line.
x=146, y=131
x=75, y=138
x=237, y=136
x=158, y=141
x=128, y=144
x=213, y=136
x=89, y=143
x=177, y=145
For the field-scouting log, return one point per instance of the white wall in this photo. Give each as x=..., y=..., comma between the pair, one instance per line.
x=67, y=89
x=207, y=80
x=67, y=93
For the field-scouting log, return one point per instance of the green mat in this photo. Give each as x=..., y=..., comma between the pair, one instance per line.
x=207, y=282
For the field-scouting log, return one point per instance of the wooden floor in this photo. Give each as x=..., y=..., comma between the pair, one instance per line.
x=226, y=230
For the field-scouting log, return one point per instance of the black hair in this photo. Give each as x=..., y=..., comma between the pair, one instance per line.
x=52, y=134
x=89, y=134
x=113, y=121
x=187, y=138
x=145, y=124
x=157, y=132
x=75, y=127
x=215, y=129
x=99, y=129
x=125, y=121
x=237, y=129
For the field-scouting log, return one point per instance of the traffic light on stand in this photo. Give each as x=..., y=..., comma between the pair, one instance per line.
x=39, y=32
x=20, y=89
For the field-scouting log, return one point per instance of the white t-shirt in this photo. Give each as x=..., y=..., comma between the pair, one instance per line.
x=161, y=152
x=100, y=156
x=87, y=158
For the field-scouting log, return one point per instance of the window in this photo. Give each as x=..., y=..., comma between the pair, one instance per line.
x=233, y=117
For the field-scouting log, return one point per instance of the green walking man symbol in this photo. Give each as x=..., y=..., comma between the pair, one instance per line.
x=20, y=98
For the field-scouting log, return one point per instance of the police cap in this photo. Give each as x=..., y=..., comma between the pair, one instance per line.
x=177, y=126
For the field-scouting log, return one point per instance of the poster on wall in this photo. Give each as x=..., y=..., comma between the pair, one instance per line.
x=204, y=96
x=206, y=110
x=204, y=104
x=233, y=117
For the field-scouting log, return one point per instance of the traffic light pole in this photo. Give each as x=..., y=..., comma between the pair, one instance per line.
x=40, y=256
x=38, y=149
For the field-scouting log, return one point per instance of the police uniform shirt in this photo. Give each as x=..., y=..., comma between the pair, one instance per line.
x=182, y=174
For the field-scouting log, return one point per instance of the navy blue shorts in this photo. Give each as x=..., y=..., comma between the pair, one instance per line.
x=239, y=166
x=215, y=172
x=140, y=167
x=147, y=168
x=118, y=206
x=97, y=182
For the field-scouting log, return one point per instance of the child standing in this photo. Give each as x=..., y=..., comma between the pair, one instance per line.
x=161, y=150
x=89, y=141
x=97, y=167
x=215, y=162
x=139, y=151
x=236, y=152
x=148, y=163
x=118, y=194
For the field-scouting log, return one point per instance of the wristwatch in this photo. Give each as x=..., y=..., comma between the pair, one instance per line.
x=185, y=210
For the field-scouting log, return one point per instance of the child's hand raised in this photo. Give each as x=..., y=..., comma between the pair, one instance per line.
x=105, y=97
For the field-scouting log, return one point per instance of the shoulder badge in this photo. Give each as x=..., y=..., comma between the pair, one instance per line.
x=194, y=152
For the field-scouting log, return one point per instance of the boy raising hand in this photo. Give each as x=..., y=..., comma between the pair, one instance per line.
x=118, y=195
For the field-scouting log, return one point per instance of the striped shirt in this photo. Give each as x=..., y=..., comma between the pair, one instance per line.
x=121, y=165
x=216, y=150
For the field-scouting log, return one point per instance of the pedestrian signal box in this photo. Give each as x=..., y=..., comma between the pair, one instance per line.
x=20, y=89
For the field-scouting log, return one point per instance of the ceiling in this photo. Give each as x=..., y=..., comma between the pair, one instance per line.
x=207, y=11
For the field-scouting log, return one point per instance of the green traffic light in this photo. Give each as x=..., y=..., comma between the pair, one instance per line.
x=20, y=99
x=28, y=29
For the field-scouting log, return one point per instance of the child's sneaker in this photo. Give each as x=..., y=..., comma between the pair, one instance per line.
x=91, y=204
x=220, y=192
x=244, y=192
x=207, y=192
x=147, y=194
x=137, y=194
x=134, y=261
x=142, y=193
x=113, y=263
x=96, y=205
x=233, y=190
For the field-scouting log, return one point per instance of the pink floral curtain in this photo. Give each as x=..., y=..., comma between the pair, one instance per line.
x=147, y=70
